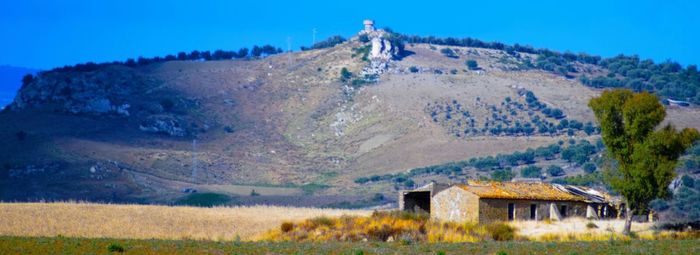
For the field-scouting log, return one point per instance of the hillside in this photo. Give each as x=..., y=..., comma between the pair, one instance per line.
x=283, y=129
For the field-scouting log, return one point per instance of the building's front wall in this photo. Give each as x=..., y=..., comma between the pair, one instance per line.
x=455, y=204
x=491, y=210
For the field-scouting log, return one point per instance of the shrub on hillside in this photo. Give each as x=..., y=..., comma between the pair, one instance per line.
x=502, y=175
x=472, y=64
x=345, y=75
x=449, y=53
x=555, y=170
x=589, y=167
x=531, y=172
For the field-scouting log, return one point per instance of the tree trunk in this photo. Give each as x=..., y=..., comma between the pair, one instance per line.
x=628, y=220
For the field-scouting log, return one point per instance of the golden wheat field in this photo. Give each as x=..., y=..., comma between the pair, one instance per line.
x=149, y=221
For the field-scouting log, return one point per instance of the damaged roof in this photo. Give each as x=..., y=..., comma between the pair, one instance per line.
x=532, y=191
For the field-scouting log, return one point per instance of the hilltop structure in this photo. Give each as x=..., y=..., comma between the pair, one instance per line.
x=382, y=51
x=507, y=201
x=369, y=25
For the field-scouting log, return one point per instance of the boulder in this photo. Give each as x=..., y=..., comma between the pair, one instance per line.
x=164, y=124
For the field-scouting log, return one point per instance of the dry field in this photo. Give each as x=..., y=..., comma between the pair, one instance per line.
x=539, y=230
x=150, y=222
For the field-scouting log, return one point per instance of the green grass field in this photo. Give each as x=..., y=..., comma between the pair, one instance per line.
x=62, y=245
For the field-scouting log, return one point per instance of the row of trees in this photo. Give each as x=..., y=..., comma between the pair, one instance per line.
x=511, y=49
x=329, y=42
x=255, y=52
x=667, y=79
x=501, y=162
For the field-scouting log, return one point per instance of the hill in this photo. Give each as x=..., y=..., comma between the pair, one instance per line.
x=294, y=128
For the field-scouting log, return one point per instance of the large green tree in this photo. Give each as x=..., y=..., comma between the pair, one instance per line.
x=646, y=154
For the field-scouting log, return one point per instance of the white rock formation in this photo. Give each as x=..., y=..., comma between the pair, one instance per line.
x=382, y=51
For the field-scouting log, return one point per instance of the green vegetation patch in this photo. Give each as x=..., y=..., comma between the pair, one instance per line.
x=204, y=199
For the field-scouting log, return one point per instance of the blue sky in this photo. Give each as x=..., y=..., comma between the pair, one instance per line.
x=50, y=33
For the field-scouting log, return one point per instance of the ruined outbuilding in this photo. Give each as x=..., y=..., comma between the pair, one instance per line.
x=507, y=201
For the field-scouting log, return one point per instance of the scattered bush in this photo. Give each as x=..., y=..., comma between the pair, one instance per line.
x=286, y=226
x=589, y=167
x=253, y=193
x=502, y=175
x=413, y=69
x=449, y=53
x=115, y=248
x=555, y=170
x=531, y=172
x=345, y=75
x=472, y=64
x=595, y=178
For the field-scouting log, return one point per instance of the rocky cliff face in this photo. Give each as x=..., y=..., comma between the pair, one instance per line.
x=116, y=91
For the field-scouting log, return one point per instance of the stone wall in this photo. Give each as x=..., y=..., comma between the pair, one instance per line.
x=497, y=209
x=455, y=204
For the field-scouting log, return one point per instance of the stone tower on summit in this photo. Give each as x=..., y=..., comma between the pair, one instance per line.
x=369, y=25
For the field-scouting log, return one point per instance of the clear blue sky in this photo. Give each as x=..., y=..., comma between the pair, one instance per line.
x=50, y=33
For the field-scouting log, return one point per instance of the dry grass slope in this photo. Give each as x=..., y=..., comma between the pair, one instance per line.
x=147, y=222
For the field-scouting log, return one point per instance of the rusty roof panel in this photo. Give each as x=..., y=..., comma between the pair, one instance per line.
x=519, y=190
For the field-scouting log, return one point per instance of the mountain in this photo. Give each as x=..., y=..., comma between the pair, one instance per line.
x=331, y=126
x=10, y=82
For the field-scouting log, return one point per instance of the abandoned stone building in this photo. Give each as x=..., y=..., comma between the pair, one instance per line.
x=507, y=201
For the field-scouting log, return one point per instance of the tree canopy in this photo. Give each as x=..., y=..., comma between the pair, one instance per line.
x=646, y=156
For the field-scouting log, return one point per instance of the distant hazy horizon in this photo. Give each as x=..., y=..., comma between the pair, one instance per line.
x=47, y=34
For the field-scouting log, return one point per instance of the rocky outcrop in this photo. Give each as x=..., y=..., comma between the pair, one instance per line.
x=382, y=51
x=111, y=91
x=163, y=124
x=99, y=93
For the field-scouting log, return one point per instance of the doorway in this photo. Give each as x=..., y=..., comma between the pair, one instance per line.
x=417, y=201
x=511, y=211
